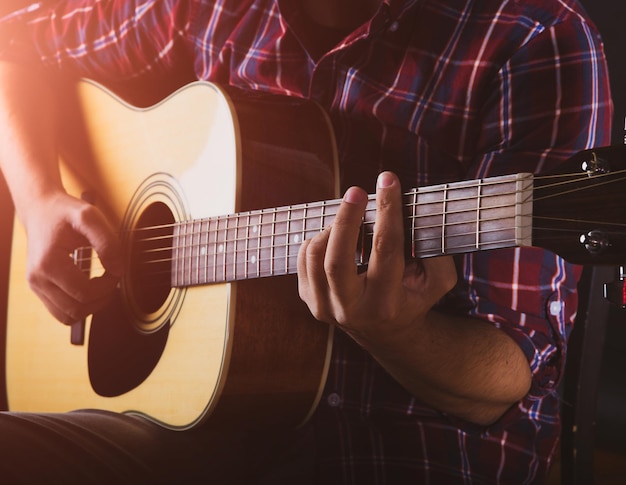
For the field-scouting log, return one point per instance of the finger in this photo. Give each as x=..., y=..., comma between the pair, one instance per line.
x=339, y=263
x=312, y=282
x=441, y=275
x=387, y=259
x=60, y=312
x=70, y=301
x=302, y=270
x=94, y=227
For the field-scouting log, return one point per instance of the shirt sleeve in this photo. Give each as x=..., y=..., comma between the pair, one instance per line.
x=551, y=100
x=103, y=40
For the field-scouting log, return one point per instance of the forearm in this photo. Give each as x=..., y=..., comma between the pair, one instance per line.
x=459, y=365
x=27, y=140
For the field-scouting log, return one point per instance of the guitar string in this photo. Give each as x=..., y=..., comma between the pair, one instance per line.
x=232, y=262
x=194, y=240
x=369, y=210
x=229, y=264
x=274, y=223
x=279, y=235
x=316, y=205
x=238, y=229
x=233, y=268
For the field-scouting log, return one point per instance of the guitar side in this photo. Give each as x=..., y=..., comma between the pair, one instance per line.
x=218, y=352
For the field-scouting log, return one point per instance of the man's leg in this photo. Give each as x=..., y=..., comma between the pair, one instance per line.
x=90, y=447
x=103, y=447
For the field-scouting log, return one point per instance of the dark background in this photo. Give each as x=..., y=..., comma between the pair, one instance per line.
x=610, y=17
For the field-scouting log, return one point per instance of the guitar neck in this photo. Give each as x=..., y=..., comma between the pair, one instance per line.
x=443, y=219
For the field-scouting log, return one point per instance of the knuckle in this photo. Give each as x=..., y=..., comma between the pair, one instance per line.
x=334, y=268
x=384, y=246
x=315, y=249
x=33, y=280
x=342, y=318
x=83, y=214
x=318, y=312
x=384, y=202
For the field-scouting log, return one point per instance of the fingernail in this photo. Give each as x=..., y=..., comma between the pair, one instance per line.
x=354, y=196
x=385, y=179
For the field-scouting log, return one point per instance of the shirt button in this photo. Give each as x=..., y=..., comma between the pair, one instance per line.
x=555, y=308
x=394, y=26
x=333, y=400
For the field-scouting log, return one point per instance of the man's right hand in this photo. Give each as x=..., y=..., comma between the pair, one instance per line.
x=55, y=227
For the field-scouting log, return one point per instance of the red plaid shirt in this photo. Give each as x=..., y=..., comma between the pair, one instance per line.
x=436, y=91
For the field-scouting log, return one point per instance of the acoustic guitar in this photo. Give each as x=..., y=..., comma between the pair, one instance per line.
x=212, y=204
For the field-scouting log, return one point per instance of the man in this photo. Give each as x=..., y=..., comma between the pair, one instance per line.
x=425, y=384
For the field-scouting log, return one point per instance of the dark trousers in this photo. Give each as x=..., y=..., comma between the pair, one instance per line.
x=92, y=447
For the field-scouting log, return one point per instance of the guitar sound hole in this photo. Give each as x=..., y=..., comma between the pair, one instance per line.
x=151, y=258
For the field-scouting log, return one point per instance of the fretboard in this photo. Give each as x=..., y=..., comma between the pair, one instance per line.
x=443, y=219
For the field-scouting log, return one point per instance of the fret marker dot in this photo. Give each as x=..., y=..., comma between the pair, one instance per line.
x=221, y=248
x=203, y=250
x=255, y=229
x=253, y=259
x=296, y=239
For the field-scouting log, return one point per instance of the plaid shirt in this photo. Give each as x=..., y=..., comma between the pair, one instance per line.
x=438, y=92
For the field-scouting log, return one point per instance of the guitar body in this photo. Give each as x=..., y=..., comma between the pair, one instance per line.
x=243, y=353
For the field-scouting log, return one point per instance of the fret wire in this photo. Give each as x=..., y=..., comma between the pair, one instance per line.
x=207, y=232
x=190, y=258
x=198, y=245
x=443, y=216
x=190, y=239
x=216, y=232
x=287, y=240
x=258, y=246
x=245, y=267
x=224, y=247
x=362, y=238
x=236, y=229
x=413, y=225
x=322, y=215
x=273, y=241
x=478, y=208
x=304, y=219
